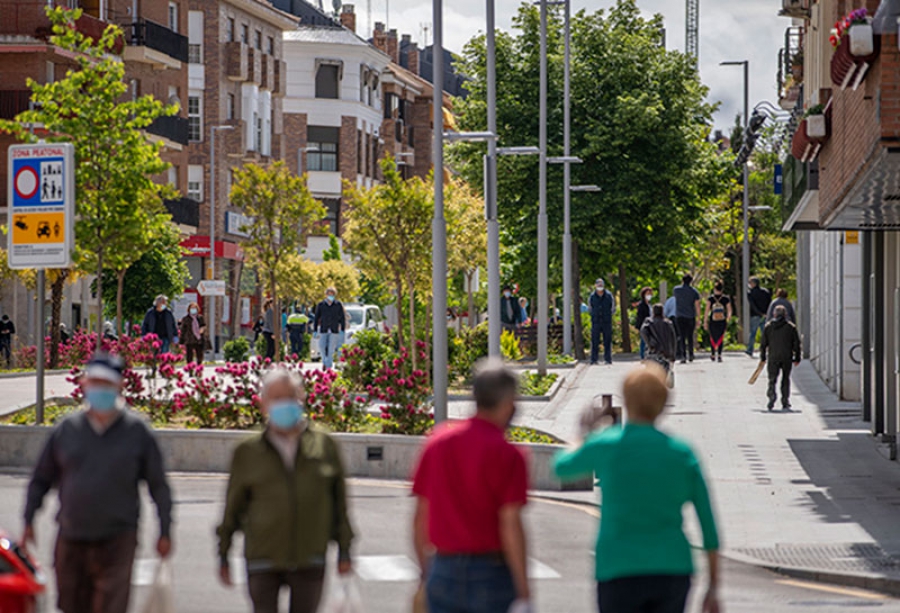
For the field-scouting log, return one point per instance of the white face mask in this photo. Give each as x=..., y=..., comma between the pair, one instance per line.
x=601, y=289
x=507, y=294
x=648, y=297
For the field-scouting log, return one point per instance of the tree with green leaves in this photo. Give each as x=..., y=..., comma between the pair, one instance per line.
x=161, y=270
x=305, y=281
x=283, y=211
x=115, y=162
x=640, y=122
x=388, y=230
x=334, y=249
x=466, y=237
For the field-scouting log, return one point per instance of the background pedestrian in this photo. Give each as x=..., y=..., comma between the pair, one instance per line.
x=193, y=334
x=7, y=331
x=297, y=324
x=330, y=325
x=643, y=313
x=759, y=298
x=470, y=486
x=97, y=459
x=687, y=312
x=269, y=327
x=781, y=350
x=603, y=308
x=716, y=315
x=287, y=494
x=160, y=321
x=643, y=559
x=510, y=311
x=781, y=299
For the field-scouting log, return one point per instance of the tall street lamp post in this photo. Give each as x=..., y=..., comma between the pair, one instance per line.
x=214, y=320
x=567, y=178
x=745, y=257
x=543, y=306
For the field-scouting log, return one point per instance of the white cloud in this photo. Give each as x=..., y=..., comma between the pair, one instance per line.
x=729, y=30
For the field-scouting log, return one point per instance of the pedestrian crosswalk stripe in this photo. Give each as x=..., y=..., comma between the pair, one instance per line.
x=372, y=568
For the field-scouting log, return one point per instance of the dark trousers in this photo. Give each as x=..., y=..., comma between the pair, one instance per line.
x=270, y=345
x=305, y=585
x=193, y=353
x=6, y=349
x=686, y=327
x=469, y=584
x=94, y=576
x=598, y=328
x=644, y=594
x=784, y=368
x=297, y=343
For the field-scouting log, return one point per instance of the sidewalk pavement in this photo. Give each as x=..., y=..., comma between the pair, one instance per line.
x=804, y=492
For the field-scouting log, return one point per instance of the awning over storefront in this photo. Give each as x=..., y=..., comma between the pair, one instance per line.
x=198, y=246
x=806, y=215
x=873, y=203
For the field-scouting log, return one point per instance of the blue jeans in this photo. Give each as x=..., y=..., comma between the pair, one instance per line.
x=469, y=584
x=757, y=323
x=164, y=346
x=604, y=327
x=643, y=348
x=329, y=344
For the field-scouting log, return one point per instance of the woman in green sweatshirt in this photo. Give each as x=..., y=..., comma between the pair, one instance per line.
x=646, y=477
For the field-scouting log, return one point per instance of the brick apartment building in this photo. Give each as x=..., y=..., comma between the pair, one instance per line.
x=155, y=53
x=843, y=196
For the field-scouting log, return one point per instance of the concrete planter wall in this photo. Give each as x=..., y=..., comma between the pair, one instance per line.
x=382, y=456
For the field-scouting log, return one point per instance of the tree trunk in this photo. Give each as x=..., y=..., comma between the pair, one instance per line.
x=99, y=300
x=120, y=291
x=739, y=297
x=400, y=308
x=623, y=310
x=578, y=329
x=56, y=297
x=472, y=315
x=276, y=318
x=412, y=324
x=236, y=301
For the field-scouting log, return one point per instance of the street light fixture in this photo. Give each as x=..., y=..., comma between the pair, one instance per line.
x=518, y=150
x=565, y=159
x=745, y=256
x=212, y=231
x=584, y=188
x=470, y=137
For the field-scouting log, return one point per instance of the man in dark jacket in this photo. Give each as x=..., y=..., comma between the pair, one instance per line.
x=7, y=331
x=160, y=321
x=603, y=307
x=658, y=333
x=287, y=494
x=96, y=459
x=330, y=326
x=780, y=348
x=781, y=299
x=510, y=311
x=760, y=298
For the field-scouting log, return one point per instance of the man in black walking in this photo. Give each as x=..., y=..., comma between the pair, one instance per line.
x=780, y=348
x=7, y=331
x=603, y=307
x=687, y=312
x=759, y=298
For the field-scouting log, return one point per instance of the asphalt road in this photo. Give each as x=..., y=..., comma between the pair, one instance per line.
x=561, y=542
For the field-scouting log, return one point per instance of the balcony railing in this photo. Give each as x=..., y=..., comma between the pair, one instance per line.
x=173, y=128
x=799, y=178
x=87, y=25
x=184, y=211
x=146, y=33
x=13, y=102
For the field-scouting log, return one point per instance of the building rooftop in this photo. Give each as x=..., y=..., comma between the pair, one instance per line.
x=321, y=34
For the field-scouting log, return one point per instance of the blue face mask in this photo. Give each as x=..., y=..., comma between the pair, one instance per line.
x=329, y=298
x=102, y=399
x=285, y=414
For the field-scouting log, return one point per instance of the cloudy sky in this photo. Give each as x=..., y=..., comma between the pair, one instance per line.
x=729, y=30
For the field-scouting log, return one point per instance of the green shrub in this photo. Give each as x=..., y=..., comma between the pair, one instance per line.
x=362, y=360
x=509, y=346
x=237, y=350
x=470, y=346
x=533, y=384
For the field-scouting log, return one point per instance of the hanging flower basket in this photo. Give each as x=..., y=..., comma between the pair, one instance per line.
x=848, y=70
x=802, y=146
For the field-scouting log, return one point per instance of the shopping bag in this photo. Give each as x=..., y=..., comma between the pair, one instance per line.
x=162, y=596
x=343, y=596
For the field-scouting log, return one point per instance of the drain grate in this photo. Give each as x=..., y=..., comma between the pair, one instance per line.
x=851, y=557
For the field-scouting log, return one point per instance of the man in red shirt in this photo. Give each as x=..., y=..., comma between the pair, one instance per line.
x=470, y=487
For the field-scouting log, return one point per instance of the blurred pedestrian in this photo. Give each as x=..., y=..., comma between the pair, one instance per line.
x=63, y=333
x=523, y=306
x=510, y=312
x=781, y=299
x=297, y=323
x=97, y=458
x=759, y=298
x=258, y=328
x=330, y=325
x=658, y=334
x=287, y=494
x=7, y=331
x=643, y=313
x=643, y=559
x=781, y=350
x=284, y=326
x=603, y=307
x=269, y=327
x=687, y=312
x=193, y=334
x=109, y=332
x=470, y=486
x=716, y=315
x=160, y=321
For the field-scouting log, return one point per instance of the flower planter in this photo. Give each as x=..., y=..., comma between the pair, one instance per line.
x=816, y=127
x=802, y=146
x=862, y=40
x=847, y=69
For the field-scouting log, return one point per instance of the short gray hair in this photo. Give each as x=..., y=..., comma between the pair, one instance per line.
x=281, y=375
x=780, y=310
x=160, y=298
x=493, y=383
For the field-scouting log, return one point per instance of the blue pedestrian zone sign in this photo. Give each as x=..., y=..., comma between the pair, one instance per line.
x=42, y=205
x=779, y=179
